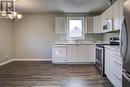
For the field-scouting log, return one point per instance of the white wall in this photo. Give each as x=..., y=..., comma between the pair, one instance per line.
x=33, y=36
x=6, y=40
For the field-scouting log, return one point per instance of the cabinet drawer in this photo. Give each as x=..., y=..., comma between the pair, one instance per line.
x=116, y=65
x=116, y=80
x=116, y=53
x=117, y=69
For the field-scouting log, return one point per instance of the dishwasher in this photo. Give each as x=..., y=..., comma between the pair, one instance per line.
x=59, y=54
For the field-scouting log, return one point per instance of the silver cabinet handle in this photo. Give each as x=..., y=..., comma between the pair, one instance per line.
x=116, y=54
x=99, y=48
x=121, y=43
x=117, y=62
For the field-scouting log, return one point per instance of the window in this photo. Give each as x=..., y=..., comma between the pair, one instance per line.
x=75, y=28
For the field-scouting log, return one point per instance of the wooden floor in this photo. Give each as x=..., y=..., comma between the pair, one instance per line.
x=38, y=74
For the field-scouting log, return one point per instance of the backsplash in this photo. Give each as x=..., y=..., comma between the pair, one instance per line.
x=88, y=37
x=107, y=36
x=91, y=37
x=60, y=37
x=94, y=37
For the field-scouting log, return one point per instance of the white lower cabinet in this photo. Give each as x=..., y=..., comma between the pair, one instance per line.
x=82, y=50
x=90, y=54
x=107, y=63
x=73, y=53
x=80, y=53
x=113, y=67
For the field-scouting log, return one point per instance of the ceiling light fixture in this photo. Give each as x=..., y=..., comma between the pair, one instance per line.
x=111, y=1
x=8, y=10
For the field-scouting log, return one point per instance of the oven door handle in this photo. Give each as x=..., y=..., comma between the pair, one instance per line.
x=100, y=48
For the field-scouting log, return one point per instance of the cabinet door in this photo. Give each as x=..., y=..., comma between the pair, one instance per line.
x=116, y=71
x=107, y=15
x=72, y=53
x=59, y=53
x=107, y=63
x=116, y=16
x=97, y=24
x=90, y=55
x=89, y=25
x=104, y=18
x=121, y=17
x=81, y=53
x=86, y=25
x=110, y=12
x=60, y=25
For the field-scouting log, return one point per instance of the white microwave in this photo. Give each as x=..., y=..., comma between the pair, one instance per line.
x=108, y=25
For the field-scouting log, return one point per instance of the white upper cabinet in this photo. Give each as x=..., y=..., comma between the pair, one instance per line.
x=114, y=12
x=109, y=12
x=88, y=25
x=97, y=23
x=60, y=25
x=116, y=23
x=103, y=18
x=118, y=14
x=106, y=16
x=121, y=17
x=93, y=24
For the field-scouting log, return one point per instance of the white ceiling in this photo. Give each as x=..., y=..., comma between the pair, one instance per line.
x=62, y=6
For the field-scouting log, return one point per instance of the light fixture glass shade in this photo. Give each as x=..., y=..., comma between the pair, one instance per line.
x=19, y=16
x=10, y=16
x=3, y=13
x=14, y=14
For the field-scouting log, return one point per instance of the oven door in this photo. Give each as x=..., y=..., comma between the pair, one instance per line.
x=99, y=60
x=99, y=54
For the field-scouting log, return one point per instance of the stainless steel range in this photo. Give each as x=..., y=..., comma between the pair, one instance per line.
x=100, y=54
x=100, y=51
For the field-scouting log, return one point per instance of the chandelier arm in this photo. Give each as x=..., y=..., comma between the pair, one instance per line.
x=1, y=5
x=6, y=7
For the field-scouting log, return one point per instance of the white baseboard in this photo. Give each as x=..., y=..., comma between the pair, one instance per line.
x=32, y=59
x=6, y=62
x=80, y=63
x=29, y=59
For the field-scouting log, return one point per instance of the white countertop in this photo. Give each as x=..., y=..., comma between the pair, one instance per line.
x=78, y=43
x=113, y=47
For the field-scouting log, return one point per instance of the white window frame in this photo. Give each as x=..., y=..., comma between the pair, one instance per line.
x=83, y=29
